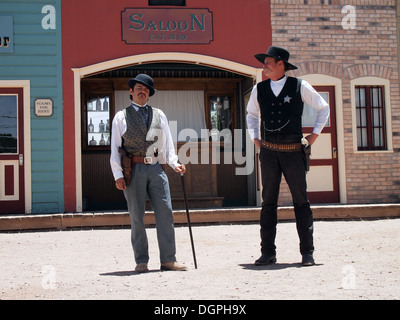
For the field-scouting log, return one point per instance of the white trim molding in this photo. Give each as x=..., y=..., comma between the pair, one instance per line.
x=159, y=57
x=325, y=80
x=372, y=81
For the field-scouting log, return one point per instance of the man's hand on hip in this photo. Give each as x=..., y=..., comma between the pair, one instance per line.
x=311, y=138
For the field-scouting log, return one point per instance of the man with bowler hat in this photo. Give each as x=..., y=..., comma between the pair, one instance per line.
x=274, y=110
x=141, y=138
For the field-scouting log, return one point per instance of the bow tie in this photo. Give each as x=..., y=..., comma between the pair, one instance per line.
x=144, y=115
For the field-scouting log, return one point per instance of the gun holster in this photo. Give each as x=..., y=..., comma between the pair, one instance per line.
x=307, y=153
x=126, y=164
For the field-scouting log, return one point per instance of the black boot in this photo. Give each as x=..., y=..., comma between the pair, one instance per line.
x=265, y=259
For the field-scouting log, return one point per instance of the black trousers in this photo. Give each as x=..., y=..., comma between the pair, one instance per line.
x=292, y=165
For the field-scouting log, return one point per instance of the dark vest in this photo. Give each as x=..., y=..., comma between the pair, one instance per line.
x=137, y=139
x=281, y=115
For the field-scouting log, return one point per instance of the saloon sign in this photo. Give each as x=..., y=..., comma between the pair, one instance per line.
x=168, y=26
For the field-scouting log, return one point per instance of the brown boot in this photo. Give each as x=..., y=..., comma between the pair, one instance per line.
x=141, y=268
x=173, y=266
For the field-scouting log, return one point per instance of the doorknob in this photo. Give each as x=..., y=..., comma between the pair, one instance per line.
x=21, y=159
x=334, y=153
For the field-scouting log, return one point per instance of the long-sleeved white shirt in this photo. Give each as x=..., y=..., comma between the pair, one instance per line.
x=167, y=155
x=308, y=95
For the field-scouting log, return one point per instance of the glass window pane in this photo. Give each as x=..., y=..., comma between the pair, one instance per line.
x=370, y=117
x=361, y=117
x=362, y=138
x=220, y=113
x=357, y=92
x=375, y=97
x=377, y=119
x=359, y=141
x=8, y=124
x=360, y=97
x=310, y=114
x=378, y=141
x=98, y=117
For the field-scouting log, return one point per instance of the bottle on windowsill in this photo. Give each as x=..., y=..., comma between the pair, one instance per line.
x=101, y=126
x=105, y=105
x=98, y=104
x=92, y=142
x=102, y=141
x=90, y=126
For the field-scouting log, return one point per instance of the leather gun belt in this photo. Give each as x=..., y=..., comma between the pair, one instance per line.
x=142, y=160
x=283, y=147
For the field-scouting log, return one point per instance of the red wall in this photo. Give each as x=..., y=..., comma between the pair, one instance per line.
x=91, y=33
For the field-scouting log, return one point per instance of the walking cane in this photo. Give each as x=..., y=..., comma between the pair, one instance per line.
x=188, y=218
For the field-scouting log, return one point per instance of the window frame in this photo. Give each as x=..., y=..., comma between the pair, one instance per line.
x=101, y=89
x=368, y=112
x=373, y=82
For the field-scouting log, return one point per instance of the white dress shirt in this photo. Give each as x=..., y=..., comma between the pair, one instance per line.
x=308, y=95
x=167, y=155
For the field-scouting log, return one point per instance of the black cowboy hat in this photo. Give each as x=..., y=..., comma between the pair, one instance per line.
x=145, y=80
x=277, y=53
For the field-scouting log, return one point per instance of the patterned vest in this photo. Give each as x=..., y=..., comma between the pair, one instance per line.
x=281, y=115
x=137, y=139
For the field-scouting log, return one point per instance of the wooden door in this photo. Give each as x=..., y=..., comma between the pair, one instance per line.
x=12, y=197
x=323, y=177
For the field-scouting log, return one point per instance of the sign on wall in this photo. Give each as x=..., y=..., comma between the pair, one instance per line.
x=6, y=34
x=43, y=107
x=166, y=26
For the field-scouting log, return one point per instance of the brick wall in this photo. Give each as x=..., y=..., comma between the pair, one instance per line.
x=312, y=31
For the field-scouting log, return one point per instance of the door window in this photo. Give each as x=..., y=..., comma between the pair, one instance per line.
x=8, y=124
x=310, y=114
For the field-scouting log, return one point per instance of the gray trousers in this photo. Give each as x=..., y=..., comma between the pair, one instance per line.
x=151, y=180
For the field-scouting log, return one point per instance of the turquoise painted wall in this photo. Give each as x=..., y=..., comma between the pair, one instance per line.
x=37, y=57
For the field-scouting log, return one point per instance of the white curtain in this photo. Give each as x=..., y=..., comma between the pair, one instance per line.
x=184, y=108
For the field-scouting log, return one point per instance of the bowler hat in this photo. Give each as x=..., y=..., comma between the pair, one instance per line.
x=145, y=80
x=277, y=53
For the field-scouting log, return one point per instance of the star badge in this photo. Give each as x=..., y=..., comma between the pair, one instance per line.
x=287, y=99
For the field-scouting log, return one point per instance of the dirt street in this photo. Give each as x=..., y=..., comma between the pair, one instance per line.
x=354, y=260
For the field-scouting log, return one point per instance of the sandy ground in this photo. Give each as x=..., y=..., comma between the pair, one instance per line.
x=354, y=260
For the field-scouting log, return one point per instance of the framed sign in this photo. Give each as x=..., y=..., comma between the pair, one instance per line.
x=166, y=26
x=43, y=107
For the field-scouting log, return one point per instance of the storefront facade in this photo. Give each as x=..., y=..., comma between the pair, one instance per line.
x=200, y=54
x=31, y=137
x=64, y=71
x=348, y=49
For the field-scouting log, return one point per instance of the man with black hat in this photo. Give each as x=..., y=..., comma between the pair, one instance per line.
x=141, y=138
x=275, y=109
